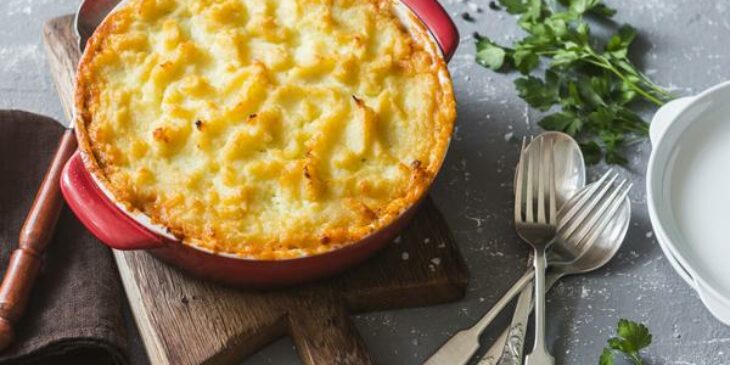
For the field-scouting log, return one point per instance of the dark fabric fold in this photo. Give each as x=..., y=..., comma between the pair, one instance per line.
x=75, y=312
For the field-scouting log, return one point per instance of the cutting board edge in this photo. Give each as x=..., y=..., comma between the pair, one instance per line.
x=152, y=343
x=451, y=291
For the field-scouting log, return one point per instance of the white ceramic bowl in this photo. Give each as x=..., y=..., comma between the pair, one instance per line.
x=688, y=192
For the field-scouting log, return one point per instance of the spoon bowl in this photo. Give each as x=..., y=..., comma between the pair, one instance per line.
x=570, y=172
x=565, y=259
x=89, y=16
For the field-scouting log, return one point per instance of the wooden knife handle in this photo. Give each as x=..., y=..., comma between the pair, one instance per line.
x=324, y=333
x=37, y=230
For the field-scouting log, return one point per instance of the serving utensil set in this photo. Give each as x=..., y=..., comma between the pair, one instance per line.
x=585, y=234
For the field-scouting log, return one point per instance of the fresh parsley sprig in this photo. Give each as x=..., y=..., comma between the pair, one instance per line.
x=594, y=86
x=632, y=338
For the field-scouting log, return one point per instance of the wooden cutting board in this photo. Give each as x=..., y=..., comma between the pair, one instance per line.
x=184, y=320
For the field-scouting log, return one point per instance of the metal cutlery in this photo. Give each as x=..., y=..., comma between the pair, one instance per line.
x=563, y=258
x=594, y=251
x=570, y=178
x=536, y=172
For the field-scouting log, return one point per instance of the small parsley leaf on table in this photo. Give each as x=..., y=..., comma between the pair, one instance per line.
x=606, y=357
x=632, y=338
x=489, y=54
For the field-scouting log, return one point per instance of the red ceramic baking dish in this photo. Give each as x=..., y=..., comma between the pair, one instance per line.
x=121, y=229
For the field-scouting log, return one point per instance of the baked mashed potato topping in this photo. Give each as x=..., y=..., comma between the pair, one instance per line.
x=269, y=129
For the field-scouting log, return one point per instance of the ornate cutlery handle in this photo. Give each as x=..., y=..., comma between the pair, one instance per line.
x=494, y=354
x=460, y=348
x=513, y=347
x=501, y=348
x=513, y=338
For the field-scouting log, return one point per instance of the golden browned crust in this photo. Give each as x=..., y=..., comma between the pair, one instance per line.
x=233, y=125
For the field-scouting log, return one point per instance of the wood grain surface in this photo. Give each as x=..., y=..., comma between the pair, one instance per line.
x=184, y=320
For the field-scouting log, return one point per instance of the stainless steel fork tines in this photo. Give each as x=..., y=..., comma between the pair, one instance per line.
x=583, y=222
x=536, y=180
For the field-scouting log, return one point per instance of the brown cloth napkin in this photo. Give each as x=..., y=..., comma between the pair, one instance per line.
x=75, y=312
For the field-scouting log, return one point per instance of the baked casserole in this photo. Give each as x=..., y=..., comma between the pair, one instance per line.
x=267, y=129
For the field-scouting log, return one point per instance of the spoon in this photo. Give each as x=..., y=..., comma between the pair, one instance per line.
x=89, y=16
x=570, y=177
x=570, y=172
x=564, y=259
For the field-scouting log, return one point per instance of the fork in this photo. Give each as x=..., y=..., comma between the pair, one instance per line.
x=539, y=230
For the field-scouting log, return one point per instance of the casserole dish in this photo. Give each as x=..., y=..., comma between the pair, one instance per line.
x=94, y=195
x=688, y=195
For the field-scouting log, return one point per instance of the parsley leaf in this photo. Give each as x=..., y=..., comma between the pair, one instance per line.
x=567, y=122
x=490, y=54
x=539, y=94
x=606, y=357
x=632, y=338
x=602, y=10
x=525, y=60
x=618, y=45
x=514, y=6
x=529, y=9
x=593, y=6
x=581, y=6
x=591, y=152
x=590, y=79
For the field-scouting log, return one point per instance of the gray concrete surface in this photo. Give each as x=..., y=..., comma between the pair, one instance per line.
x=683, y=46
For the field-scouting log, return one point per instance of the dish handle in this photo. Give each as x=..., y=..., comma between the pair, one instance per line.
x=665, y=115
x=438, y=21
x=100, y=216
x=718, y=306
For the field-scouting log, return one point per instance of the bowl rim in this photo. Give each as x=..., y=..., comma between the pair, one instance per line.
x=416, y=27
x=654, y=176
